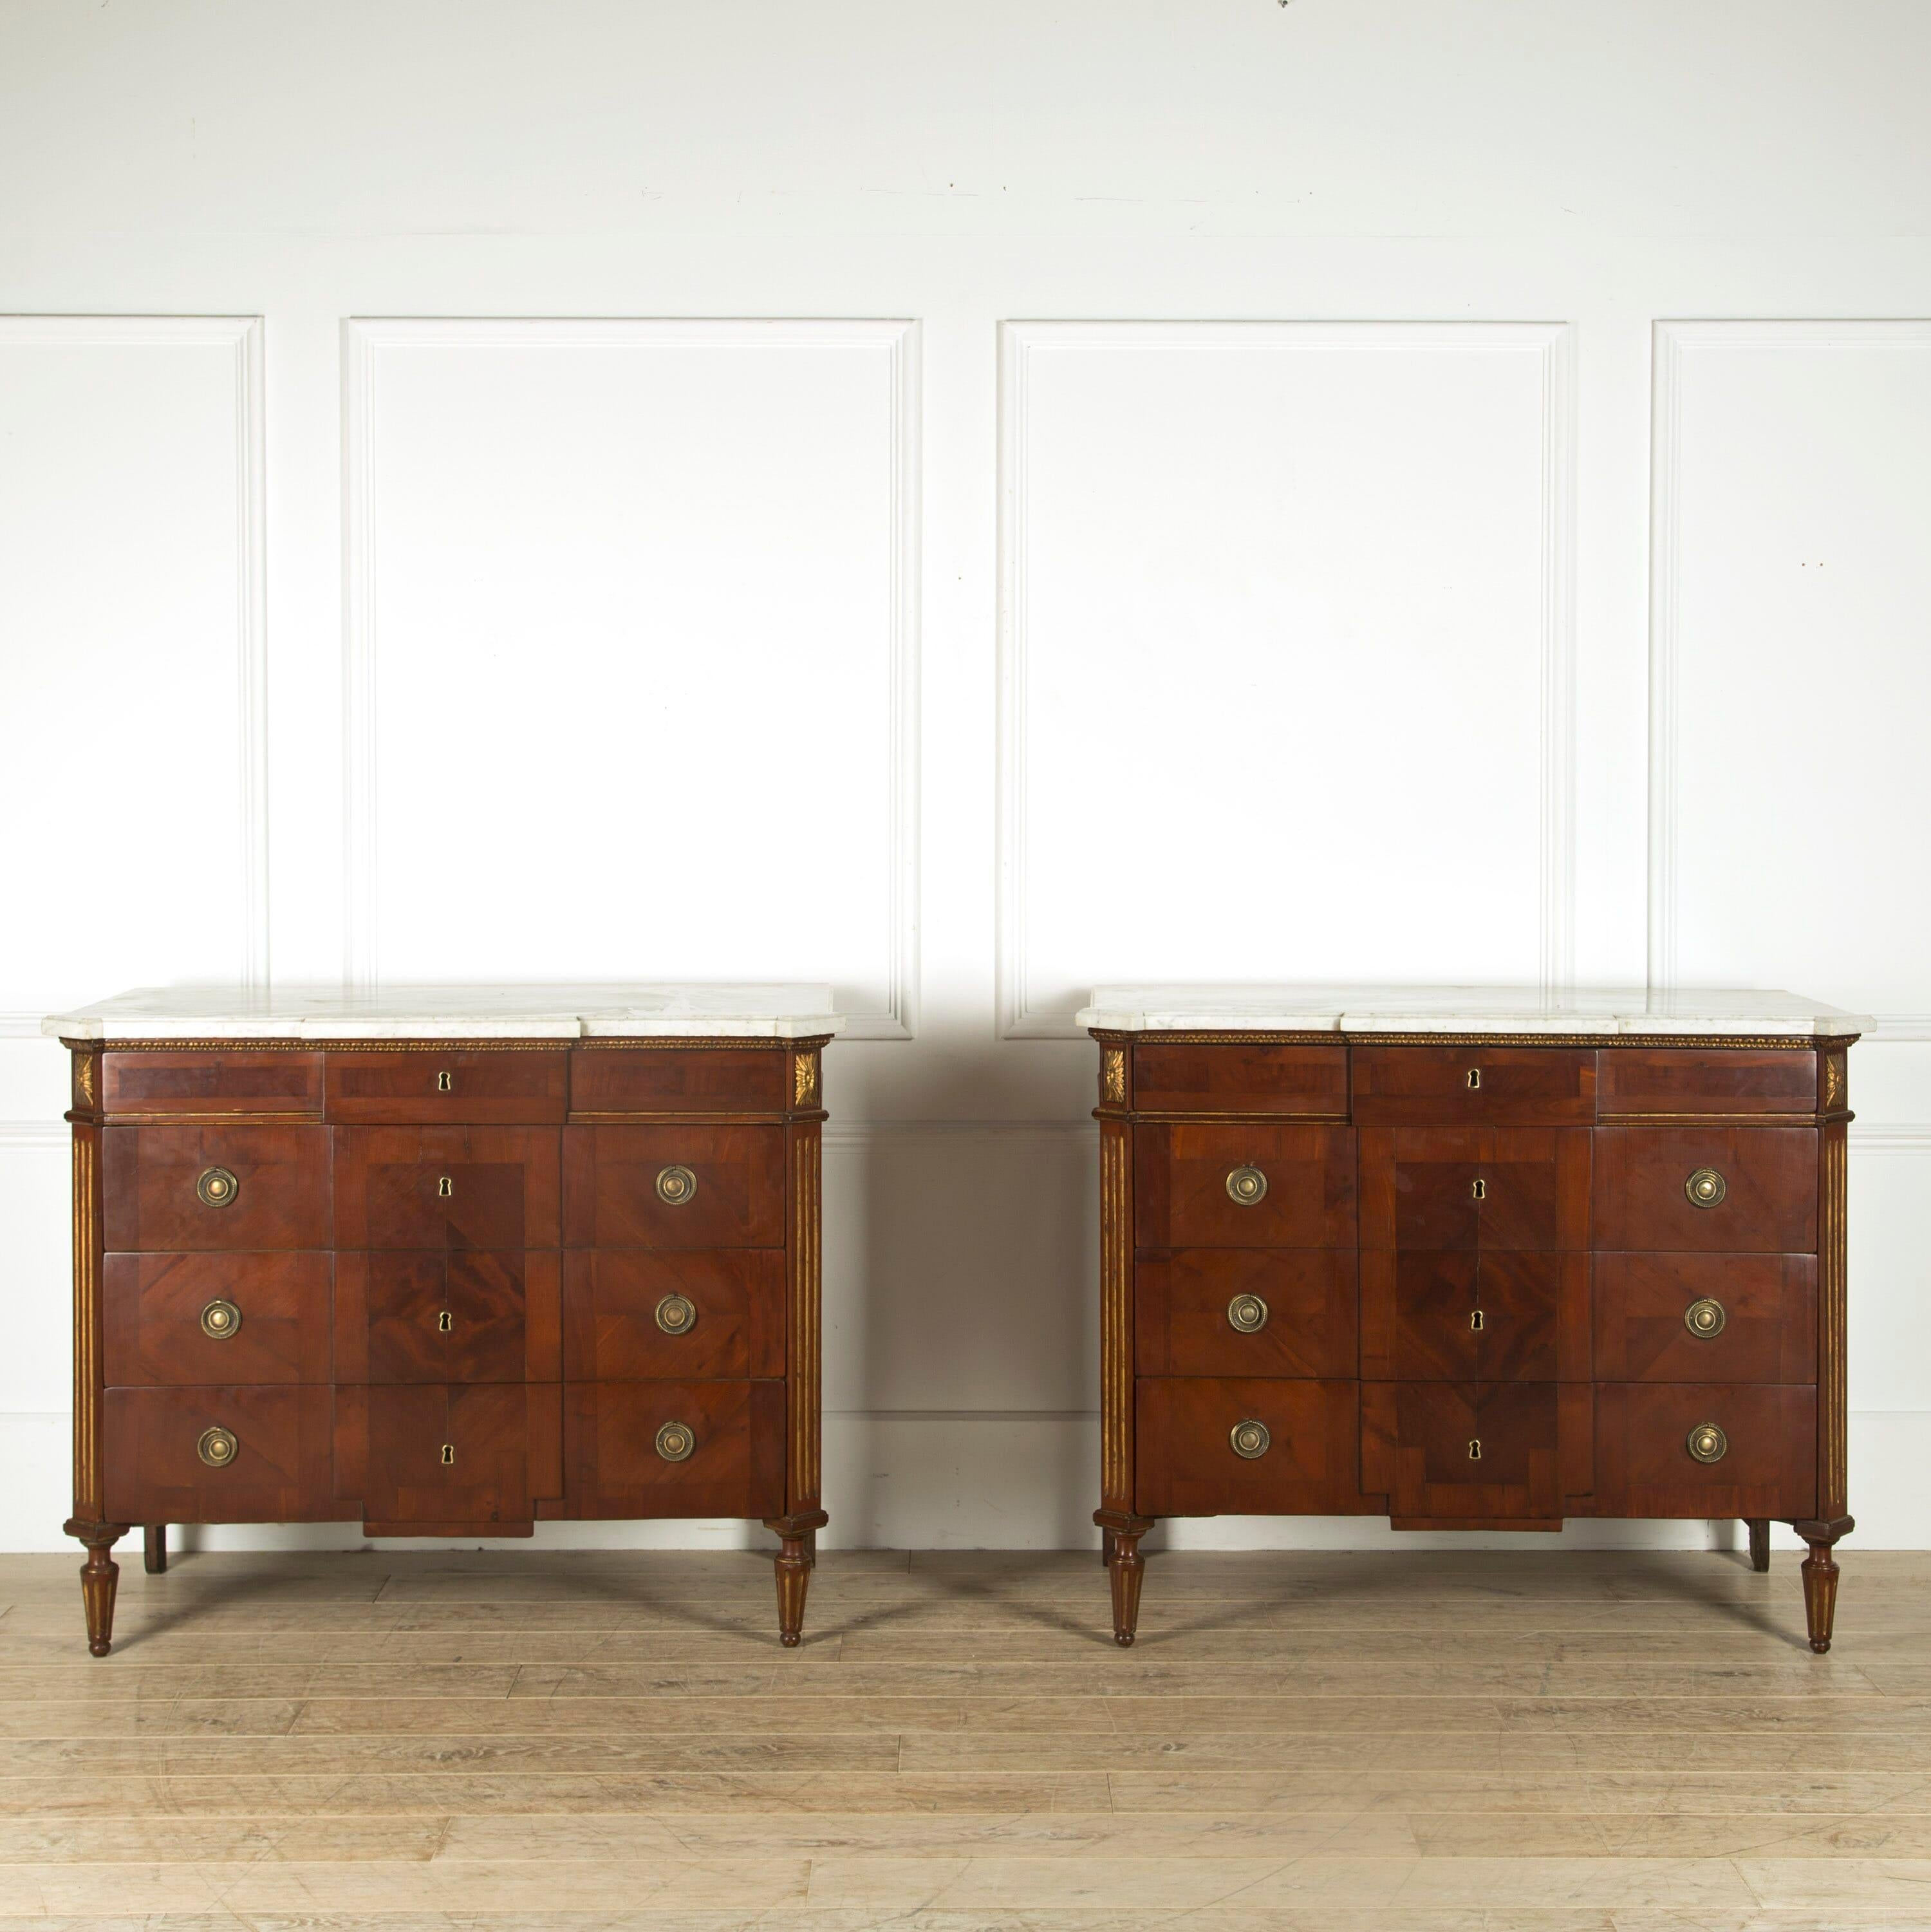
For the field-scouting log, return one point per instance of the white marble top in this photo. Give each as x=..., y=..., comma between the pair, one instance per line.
x=1608, y=1011
x=507, y=1012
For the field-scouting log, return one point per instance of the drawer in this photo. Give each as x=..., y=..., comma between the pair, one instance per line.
x=638, y=1314
x=448, y=1315
x=1476, y=1086
x=673, y=1186
x=214, y=1318
x=666, y=1448
x=1764, y=1193
x=499, y=1088
x=272, y=1452
x=1186, y=1462
x=1245, y=1311
x=667, y=1080
x=426, y=1460
x=1461, y=1317
x=1183, y=1077
x=211, y=1083
x=1645, y=1465
x=1705, y=1080
x=446, y=1187
x=175, y=1189
x=1471, y=1453
x=1679, y=1318
x=1475, y=1189
x=1194, y=1186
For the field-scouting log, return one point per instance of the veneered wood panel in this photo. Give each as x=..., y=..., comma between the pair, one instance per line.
x=1185, y=1463
x=610, y=1300
x=613, y=1467
x=444, y=1315
x=1705, y=1080
x=1463, y=1450
x=1180, y=1186
x=1182, y=1324
x=1195, y=1077
x=502, y=1186
x=611, y=1195
x=1769, y=1331
x=152, y=1325
x=1770, y=1180
x=228, y=1082
x=150, y=1203
x=491, y=1434
x=1643, y=1466
x=664, y=1080
x=281, y=1469
x=1427, y=1086
x=449, y=1086
x=1466, y=1188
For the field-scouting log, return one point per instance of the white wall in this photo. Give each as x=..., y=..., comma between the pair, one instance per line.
x=964, y=502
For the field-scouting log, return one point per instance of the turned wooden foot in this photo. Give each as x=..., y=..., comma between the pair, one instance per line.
x=98, y=1576
x=1120, y=1535
x=1106, y=1549
x=797, y=1556
x=1758, y=1527
x=1820, y=1577
x=154, y=1548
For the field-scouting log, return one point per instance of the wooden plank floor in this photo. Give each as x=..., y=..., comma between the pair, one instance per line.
x=1476, y=1742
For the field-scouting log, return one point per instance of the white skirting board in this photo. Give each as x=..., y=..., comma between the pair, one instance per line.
x=992, y=1481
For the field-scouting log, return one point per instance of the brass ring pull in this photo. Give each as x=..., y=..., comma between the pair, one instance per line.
x=1704, y=1318
x=1705, y=1188
x=1245, y=1185
x=676, y=1314
x=217, y=1187
x=1707, y=1442
x=218, y=1448
x=220, y=1320
x=1249, y=1439
x=1247, y=1313
x=676, y=1441
x=676, y=1187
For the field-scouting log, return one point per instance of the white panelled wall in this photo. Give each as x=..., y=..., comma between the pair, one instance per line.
x=963, y=502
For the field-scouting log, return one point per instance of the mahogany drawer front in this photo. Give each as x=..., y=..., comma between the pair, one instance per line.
x=673, y=1448
x=1186, y=1462
x=1705, y=1080
x=1189, y=1077
x=667, y=1080
x=1245, y=1311
x=192, y=1188
x=487, y=1088
x=211, y=1083
x=1646, y=1466
x=446, y=1187
x=1766, y=1176
x=270, y=1449
x=448, y=1315
x=1457, y=1316
x=450, y=1460
x=1469, y=1452
x=1475, y=1189
x=680, y=1186
x=1187, y=1181
x=1684, y=1318
x=203, y=1318
x=641, y=1314
x=1474, y=1086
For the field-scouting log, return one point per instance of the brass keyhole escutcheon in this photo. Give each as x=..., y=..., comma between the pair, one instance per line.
x=1245, y=1185
x=1479, y=1189
x=217, y=1447
x=445, y=1083
x=1474, y=1448
x=1704, y=1318
x=676, y=1187
x=1474, y=1077
x=220, y=1320
x=1475, y=1320
x=1250, y=1439
x=1705, y=1188
x=676, y=1441
x=1707, y=1442
x=445, y=1186
x=448, y=1454
x=445, y=1322
x=1247, y=1313
x=676, y=1314
x=217, y=1187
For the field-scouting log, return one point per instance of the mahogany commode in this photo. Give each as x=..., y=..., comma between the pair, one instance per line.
x=449, y=1264
x=1472, y=1262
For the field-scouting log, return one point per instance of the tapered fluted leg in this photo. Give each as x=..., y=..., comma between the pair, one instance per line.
x=1106, y=1549
x=154, y=1548
x=794, y=1575
x=1758, y=1527
x=1125, y=1566
x=98, y=1576
x=1820, y=1594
